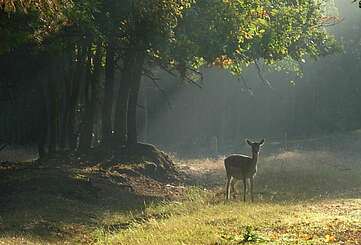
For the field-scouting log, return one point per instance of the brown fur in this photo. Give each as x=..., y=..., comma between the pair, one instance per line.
x=242, y=167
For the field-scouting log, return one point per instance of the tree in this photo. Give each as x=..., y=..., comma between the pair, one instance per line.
x=79, y=49
x=230, y=34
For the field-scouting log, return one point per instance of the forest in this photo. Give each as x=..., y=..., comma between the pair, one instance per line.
x=122, y=122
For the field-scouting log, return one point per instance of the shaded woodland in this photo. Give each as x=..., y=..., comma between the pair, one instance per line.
x=77, y=75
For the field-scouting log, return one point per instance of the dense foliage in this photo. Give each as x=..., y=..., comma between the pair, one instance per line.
x=81, y=62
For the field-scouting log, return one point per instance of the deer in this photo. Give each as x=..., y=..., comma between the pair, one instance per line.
x=242, y=167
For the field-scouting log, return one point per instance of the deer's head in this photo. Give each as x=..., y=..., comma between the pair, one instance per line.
x=256, y=146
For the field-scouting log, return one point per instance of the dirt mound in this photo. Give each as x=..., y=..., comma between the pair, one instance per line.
x=154, y=162
x=145, y=173
x=57, y=197
x=144, y=158
x=125, y=178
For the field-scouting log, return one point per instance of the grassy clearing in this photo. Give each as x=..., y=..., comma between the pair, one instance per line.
x=303, y=197
x=199, y=220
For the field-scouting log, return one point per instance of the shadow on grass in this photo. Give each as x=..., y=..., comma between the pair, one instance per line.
x=52, y=202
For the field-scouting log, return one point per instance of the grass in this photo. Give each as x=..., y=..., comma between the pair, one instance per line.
x=199, y=221
x=302, y=197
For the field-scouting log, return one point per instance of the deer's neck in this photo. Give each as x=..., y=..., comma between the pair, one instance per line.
x=255, y=158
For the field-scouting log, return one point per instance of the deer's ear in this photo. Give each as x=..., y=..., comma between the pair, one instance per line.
x=262, y=142
x=249, y=142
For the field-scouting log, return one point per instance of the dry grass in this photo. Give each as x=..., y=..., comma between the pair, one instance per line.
x=302, y=197
x=201, y=222
x=289, y=174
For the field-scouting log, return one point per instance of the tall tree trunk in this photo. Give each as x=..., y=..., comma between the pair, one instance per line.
x=69, y=65
x=52, y=100
x=43, y=122
x=126, y=123
x=90, y=105
x=132, y=138
x=108, y=94
x=120, y=123
x=85, y=99
x=74, y=97
x=146, y=114
x=95, y=97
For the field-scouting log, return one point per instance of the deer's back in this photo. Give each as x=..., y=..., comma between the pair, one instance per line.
x=239, y=166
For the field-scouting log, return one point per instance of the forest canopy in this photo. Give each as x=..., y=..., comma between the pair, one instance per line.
x=81, y=62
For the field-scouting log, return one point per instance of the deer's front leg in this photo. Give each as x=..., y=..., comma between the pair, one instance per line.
x=228, y=188
x=244, y=188
x=251, y=182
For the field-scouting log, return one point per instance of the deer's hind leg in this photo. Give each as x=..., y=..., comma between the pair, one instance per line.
x=233, y=190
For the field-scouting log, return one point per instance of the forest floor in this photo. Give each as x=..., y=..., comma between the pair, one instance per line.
x=309, y=196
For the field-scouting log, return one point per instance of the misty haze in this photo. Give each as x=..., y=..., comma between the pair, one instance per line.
x=215, y=122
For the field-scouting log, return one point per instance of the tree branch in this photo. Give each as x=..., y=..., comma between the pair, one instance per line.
x=265, y=81
x=330, y=21
x=197, y=72
x=141, y=106
x=172, y=73
x=161, y=90
x=301, y=66
x=3, y=147
x=260, y=75
x=250, y=91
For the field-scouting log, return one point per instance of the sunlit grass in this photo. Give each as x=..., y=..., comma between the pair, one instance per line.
x=302, y=197
x=199, y=221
